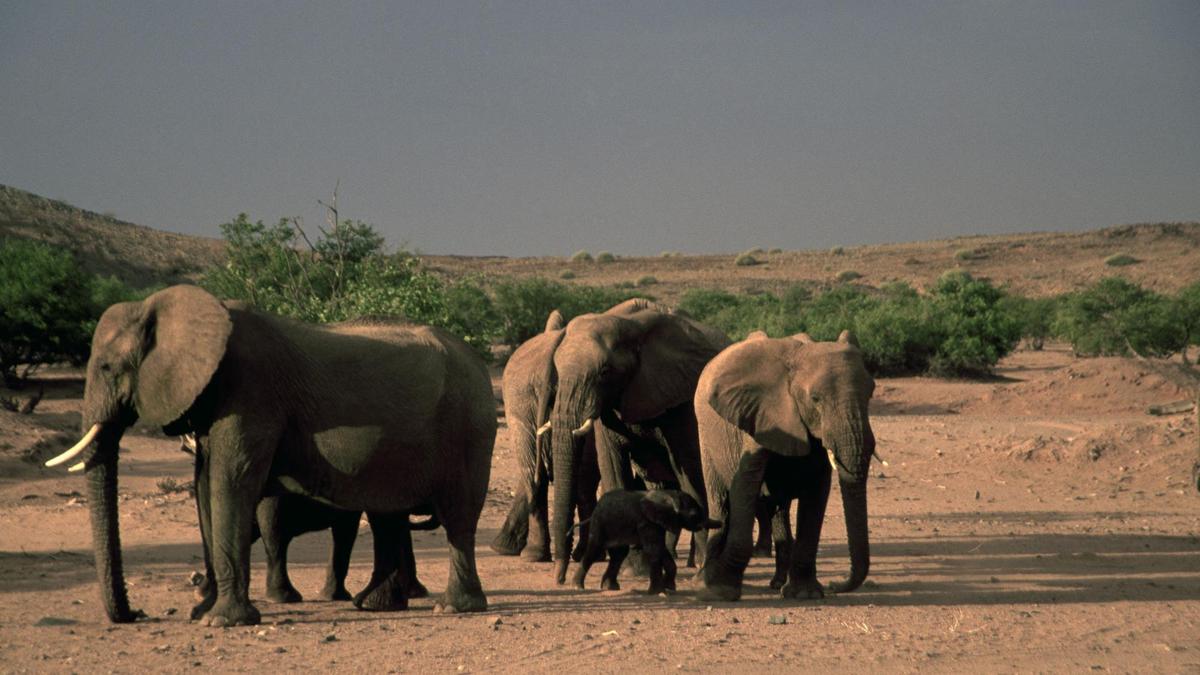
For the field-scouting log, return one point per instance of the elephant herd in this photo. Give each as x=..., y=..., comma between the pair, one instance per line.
x=298, y=427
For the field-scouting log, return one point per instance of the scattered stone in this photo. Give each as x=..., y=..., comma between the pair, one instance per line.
x=777, y=619
x=169, y=611
x=329, y=638
x=734, y=619
x=495, y=622
x=55, y=621
x=995, y=580
x=280, y=650
x=977, y=495
x=195, y=578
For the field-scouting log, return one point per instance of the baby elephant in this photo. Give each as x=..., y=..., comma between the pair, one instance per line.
x=625, y=518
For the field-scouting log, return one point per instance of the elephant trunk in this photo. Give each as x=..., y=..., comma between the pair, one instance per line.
x=106, y=535
x=853, y=454
x=563, y=445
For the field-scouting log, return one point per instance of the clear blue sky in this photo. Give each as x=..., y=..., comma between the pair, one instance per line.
x=542, y=128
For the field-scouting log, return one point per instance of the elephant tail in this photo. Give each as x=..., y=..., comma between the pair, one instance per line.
x=578, y=525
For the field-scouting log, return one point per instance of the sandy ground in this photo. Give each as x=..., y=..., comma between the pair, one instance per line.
x=1037, y=522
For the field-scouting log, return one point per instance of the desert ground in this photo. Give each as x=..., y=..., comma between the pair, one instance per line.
x=1038, y=521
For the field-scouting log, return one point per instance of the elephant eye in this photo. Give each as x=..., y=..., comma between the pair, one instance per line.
x=106, y=366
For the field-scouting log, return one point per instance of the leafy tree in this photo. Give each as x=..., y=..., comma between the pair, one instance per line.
x=1113, y=315
x=977, y=332
x=1187, y=312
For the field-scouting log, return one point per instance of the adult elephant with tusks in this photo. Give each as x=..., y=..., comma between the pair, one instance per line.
x=373, y=416
x=785, y=412
x=618, y=370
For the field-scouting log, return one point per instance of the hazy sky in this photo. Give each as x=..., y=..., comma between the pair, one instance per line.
x=543, y=128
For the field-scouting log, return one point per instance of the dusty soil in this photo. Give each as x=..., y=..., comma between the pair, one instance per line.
x=1040, y=521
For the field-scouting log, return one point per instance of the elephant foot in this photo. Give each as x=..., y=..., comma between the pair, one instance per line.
x=507, y=544
x=416, y=590
x=778, y=581
x=333, y=592
x=804, y=589
x=560, y=572
x=457, y=599
x=609, y=584
x=226, y=614
x=388, y=595
x=719, y=593
x=535, y=554
x=206, y=603
x=284, y=595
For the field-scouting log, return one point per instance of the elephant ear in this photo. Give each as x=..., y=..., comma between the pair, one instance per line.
x=635, y=305
x=672, y=350
x=186, y=330
x=659, y=508
x=750, y=388
x=847, y=338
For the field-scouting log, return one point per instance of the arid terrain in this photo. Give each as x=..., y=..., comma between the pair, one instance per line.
x=1040, y=521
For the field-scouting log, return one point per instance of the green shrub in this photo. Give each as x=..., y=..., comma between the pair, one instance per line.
x=566, y=274
x=604, y=257
x=977, y=332
x=581, y=257
x=965, y=254
x=846, y=276
x=1034, y=317
x=624, y=284
x=837, y=250
x=745, y=259
x=1120, y=260
x=670, y=254
x=522, y=305
x=775, y=251
x=1115, y=314
x=48, y=307
x=648, y=280
x=1187, y=312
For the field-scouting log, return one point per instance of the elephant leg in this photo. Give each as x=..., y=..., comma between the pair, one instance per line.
x=237, y=473
x=585, y=501
x=345, y=533
x=408, y=564
x=763, y=513
x=781, y=535
x=537, y=548
x=206, y=591
x=722, y=578
x=275, y=543
x=592, y=553
x=683, y=442
x=386, y=591
x=655, y=554
x=670, y=570
x=616, y=556
x=810, y=515
x=514, y=533
x=459, y=515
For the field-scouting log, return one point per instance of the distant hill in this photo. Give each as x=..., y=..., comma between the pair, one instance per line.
x=139, y=255
x=1165, y=257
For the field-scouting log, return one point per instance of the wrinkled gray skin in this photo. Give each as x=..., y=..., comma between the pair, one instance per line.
x=780, y=412
x=269, y=400
x=625, y=518
x=626, y=374
x=529, y=389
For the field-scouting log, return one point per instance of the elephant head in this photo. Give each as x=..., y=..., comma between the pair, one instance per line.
x=636, y=362
x=150, y=360
x=790, y=394
x=674, y=511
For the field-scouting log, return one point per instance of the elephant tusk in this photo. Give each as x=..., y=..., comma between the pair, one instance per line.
x=541, y=431
x=880, y=458
x=583, y=430
x=832, y=463
x=77, y=448
x=188, y=442
x=75, y=468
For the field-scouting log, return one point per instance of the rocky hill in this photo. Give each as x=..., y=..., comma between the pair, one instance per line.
x=136, y=254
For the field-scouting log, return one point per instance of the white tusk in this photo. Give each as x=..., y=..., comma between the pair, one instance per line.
x=881, y=459
x=77, y=448
x=76, y=467
x=832, y=463
x=543, y=429
x=188, y=442
x=583, y=430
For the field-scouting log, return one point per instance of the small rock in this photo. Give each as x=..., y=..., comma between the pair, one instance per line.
x=734, y=619
x=195, y=578
x=977, y=495
x=495, y=621
x=777, y=619
x=995, y=580
x=169, y=611
x=55, y=621
x=329, y=638
x=280, y=650
x=636, y=621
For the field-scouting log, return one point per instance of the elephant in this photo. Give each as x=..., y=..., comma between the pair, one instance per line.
x=639, y=518
x=373, y=416
x=627, y=374
x=283, y=517
x=784, y=413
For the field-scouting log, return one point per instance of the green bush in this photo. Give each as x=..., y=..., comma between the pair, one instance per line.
x=745, y=259
x=1187, y=312
x=1034, y=317
x=522, y=305
x=48, y=307
x=647, y=280
x=965, y=254
x=581, y=257
x=837, y=250
x=566, y=274
x=1114, y=314
x=775, y=251
x=604, y=257
x=1120, y=260
x=846, y=276
x=976, y=331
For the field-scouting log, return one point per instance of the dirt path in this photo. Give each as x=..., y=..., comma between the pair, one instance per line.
x=1040, y=522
